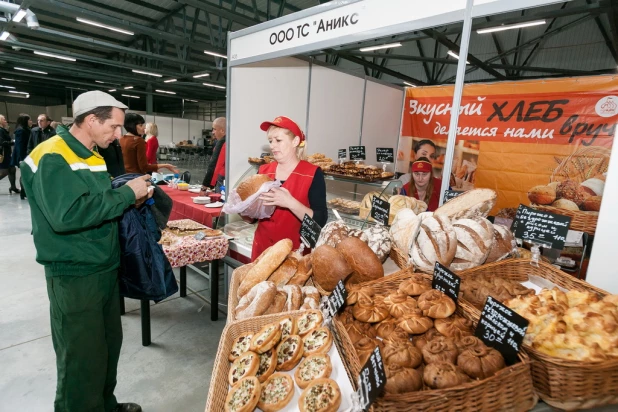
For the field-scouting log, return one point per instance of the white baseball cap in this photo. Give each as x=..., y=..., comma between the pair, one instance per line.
x=93, y=99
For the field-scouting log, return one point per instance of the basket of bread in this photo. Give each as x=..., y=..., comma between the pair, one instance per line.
x=279, y=363
x=431, y=357
x=397, y=203
x=573, y=332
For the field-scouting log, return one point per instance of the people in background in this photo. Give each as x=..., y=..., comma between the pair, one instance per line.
x=21, y=136
x=152, y=142
x=423, y=185
x=41, y=132
x=303, y=190
x=134, y=148
x=218, y=133
x=75, y=230
x=6, y=144
x=54, y=125
x=114, y=161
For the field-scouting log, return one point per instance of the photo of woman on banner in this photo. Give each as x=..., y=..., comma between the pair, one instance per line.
x=423, y=148
x=423, y=185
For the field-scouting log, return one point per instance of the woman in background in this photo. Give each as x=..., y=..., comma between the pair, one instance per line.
x=5, y=149
x=423, y=185
x=152, y=143
x=22, y=136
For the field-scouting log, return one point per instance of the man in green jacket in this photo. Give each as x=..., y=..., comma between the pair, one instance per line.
x=74, y=223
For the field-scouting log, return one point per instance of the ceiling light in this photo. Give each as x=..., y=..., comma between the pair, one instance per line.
x=28, y=70
x=16, y=92
x=5, y=35
x=21, y=13
x=455, y=55
x=409, y=84
x=98, y=81
x=223, y=56
x=214, y=85
x=105, y=26
x=197, y=76
x=56, y=56
x=170, y=80
x=132, y=97
x=147, y=73
x=384, y=46
x=111, y=90
x=511, y=26
x=128, y=87
x=193, y=101
x=165, y=91
x=14, y=80
x=7, y=87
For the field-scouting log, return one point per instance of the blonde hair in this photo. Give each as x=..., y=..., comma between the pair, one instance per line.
x=152, y=129
x=300, y=149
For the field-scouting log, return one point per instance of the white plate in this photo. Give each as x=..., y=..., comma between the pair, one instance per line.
x=216, y=204
x=201, y=200
x=194, y=190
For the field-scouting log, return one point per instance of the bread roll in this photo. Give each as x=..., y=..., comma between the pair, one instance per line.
x=414, y=322
x=399, y=304
x=404, y=229
x=386, y=327
x=266, y=266
x=251, y=185
x=415, y=286
x=402, y=380
x=329, y=267
x=421, y=340
x=473, y=203
x=368, y=311
x=302, y=272
x=332, y=233
x=404, y=354
x=436, y=242
x=364, y=348
x=278, y=303
x=294, y=297
x=593, y=203
x=480, y=362
x=469, y=342
x=570, y=190
x=399, y=202
x=475, y=238
x=285, y=272
x=542, y=195
x=503, y=245
x=436, y=304
x=379, y=240
x=565, y=204
x=454, y=327
x=364, y=263
x=256, y=301
x=596, y=185
x=443, y=375
x=440, y=349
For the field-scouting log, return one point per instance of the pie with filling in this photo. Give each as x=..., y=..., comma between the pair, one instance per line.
x=312, y=367
x=268, y=363
x=244, y=396
x=308, y=321
x=277, y=392
x=240, y=346
x=289, y=353
x=318, y=341
x=321, y=395
x=247, y=364
x=267, y=338
x=288, y=327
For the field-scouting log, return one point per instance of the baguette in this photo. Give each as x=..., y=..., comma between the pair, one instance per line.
x=285, y=272
x=471, y=204
x=303, y=272
x=266, y=266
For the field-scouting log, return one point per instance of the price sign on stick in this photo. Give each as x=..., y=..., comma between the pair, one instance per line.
x=446, y=281
x=380, y=210
x=385, y=154
x=309, y=231
x=502, y=329
x=357, y=153
x=342, y=154
x=450, y=194
x=542, y=227
x=336, y=300
x=372, y=379
x=263, y=155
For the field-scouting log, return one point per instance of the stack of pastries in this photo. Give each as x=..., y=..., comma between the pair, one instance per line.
x=476, y=290
x=260, y=359
x=423, y=343
x=570, y=325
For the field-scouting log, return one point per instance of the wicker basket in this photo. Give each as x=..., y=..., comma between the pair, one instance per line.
x=509, y=390
x=561, y=383
x=400, y=258
x=580, y=220
x=218, y=390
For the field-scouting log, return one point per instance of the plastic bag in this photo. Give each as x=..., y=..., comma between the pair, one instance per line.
x=251, y=207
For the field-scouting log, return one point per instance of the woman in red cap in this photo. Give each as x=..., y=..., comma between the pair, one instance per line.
x=303, y=190
x=423, y=185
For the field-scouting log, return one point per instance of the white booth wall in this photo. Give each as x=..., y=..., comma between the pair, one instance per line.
x=175, y=129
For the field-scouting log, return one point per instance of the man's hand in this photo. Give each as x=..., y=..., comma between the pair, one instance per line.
x=139, y=185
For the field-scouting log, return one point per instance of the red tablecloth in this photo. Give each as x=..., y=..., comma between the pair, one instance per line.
x=184, y=208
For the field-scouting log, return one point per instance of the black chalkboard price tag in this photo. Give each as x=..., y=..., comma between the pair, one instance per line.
x=502, y=329
x=380, y=210
x=450, y=194
x=446, y=281
x=385, y=154
x=372, y=379
x=342, y=154
x=309, y=231
x=357, y=153
x=263, y=155
x=336, y=300
x=542, y=227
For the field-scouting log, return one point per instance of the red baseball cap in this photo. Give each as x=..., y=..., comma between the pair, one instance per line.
x=286, y=123
x=421, y=166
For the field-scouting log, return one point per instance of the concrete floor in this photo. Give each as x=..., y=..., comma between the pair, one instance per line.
x=173, y=374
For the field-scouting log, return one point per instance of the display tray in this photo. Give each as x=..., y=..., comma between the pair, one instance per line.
x=561, y=383
x=508, y=390
x=368, y=179
x=219, y=386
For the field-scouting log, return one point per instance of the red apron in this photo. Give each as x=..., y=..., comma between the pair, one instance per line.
x=283, y=224
x=434, y=201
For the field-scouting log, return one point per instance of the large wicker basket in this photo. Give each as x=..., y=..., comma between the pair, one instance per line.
x=218, y=390
x=581, y=220
x=561, y=383
x=400, y=258
x=509, y=390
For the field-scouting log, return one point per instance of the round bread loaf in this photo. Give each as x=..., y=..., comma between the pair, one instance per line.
x=330, y=266
x=593, y=203
x=364, y=263
x=503, y=245
x=332, y=233
x=542, y=195
x=565, y=204
x=475, y=238
x=251, y=185
x=399, y=202
x=436, y=242
x=473, y=203
x=570, y=190
x=404, y=229
x=379, y=240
